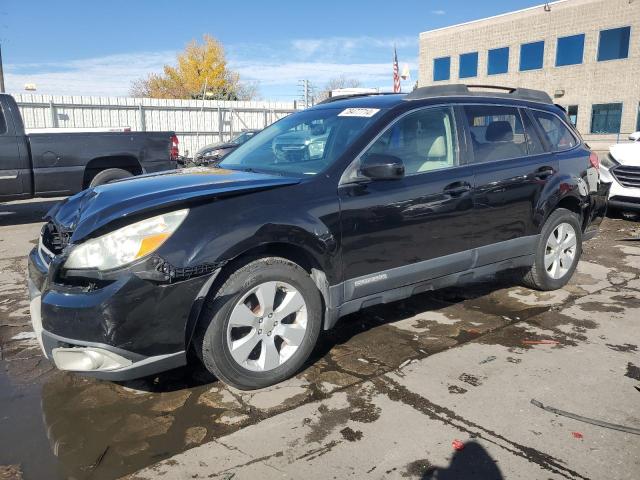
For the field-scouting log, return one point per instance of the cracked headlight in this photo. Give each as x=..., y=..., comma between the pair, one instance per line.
x=126, y=244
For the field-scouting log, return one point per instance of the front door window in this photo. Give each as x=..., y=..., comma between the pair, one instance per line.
x=423, y=140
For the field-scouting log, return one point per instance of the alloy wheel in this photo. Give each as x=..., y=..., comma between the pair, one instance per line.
x=266, y=326
x=560, y=251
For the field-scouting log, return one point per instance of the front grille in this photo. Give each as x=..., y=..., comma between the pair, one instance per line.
x=54, y=240
x=627, y=176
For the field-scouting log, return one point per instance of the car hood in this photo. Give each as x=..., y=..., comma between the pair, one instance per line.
x=96, y=207
x=626, y=153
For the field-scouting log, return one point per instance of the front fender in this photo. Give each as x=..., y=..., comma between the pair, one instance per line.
x=313, y=237
x=221, y=231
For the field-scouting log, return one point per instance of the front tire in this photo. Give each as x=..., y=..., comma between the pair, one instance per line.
x=262, y=324
x=558, y=252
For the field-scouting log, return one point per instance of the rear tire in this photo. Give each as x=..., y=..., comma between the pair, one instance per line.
x=557, y=253
x=109, y=175
x=261, y=325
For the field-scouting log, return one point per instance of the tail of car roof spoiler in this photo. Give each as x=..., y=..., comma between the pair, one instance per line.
x=464, y=90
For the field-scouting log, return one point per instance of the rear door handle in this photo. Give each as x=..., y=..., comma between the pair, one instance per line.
x=544, y=172
x=456, y=189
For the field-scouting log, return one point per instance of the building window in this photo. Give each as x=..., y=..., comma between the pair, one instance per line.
x=570, y=50
x=441, y=68
x=531, y=56
x=572, y=113
x=606, y=118
x=498, y=61
x=468, y=65
x=614, y=44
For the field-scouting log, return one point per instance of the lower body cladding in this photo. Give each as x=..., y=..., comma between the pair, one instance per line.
x=403, y=282
x=125, y=329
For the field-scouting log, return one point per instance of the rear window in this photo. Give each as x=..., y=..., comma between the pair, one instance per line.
x=497, y=132
x=555, y=131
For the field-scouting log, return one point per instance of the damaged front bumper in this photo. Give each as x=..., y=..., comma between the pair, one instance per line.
x=131, y=325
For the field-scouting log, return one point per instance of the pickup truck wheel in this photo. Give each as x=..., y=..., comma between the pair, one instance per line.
x=557, y=253
x=109, y=175
x=261, y=325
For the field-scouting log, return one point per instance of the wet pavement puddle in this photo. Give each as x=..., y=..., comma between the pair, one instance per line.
x=60, y=425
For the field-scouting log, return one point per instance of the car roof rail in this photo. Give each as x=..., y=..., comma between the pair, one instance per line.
x=355, y=95
x=452, y=90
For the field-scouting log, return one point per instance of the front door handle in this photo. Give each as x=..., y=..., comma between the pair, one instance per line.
x=544, y=172
x=456, y=189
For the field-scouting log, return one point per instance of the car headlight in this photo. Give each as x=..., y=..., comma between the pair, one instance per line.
x=126, y=244
x=316, y=149
x=608, y=162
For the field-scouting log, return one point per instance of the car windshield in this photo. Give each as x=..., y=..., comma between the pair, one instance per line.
x=301, y=144
x=243, y=137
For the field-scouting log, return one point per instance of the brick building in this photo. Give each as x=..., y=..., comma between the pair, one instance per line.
x=584, y=53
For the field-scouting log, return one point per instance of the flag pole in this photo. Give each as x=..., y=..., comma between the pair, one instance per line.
x=1, y=73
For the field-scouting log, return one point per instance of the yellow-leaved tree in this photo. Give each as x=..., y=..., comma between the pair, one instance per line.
x=201, y=72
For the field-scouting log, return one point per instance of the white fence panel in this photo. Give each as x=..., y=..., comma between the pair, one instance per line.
x=196, y=122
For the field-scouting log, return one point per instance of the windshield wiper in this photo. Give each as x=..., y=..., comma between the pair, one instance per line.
x=265, y=171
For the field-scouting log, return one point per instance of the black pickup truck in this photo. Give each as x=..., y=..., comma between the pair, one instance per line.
x=58, y=164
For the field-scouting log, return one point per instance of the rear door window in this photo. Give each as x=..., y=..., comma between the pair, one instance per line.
x=555, y=131
x=497, y=132
x=534, y=145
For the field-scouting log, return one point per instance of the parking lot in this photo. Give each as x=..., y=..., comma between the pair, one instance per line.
x=438, y=386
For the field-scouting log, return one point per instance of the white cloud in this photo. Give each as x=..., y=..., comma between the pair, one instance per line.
x=108, y=75
x=347, y=47
x=283, y=73
x=276, y=68
x=277, y=78
x=438, y=12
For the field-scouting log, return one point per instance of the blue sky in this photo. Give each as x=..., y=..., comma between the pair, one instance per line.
x=94, y=47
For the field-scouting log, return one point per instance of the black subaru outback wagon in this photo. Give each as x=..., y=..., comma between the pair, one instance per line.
x=387, y=196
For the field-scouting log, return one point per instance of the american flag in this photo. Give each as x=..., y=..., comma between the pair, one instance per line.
x=396, y=75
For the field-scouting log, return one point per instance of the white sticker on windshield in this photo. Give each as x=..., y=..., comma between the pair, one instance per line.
x=359, y=112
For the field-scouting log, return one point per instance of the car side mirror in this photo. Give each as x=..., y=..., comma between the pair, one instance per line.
x=378, y=166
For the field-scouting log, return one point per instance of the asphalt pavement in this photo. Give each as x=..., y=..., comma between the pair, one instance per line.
x=437, y=386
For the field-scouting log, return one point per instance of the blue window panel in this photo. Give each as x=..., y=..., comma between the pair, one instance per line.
x=441, y=68
x=531, y=56
x=614, y=44
x=570, y=50
x=469, y=65
x=498, y=61
x=606, y=118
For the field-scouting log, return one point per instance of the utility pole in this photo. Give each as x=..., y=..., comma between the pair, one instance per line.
x=1, y=73
x=306, y=93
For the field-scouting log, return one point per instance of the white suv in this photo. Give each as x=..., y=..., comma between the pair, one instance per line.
x=621, y=167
